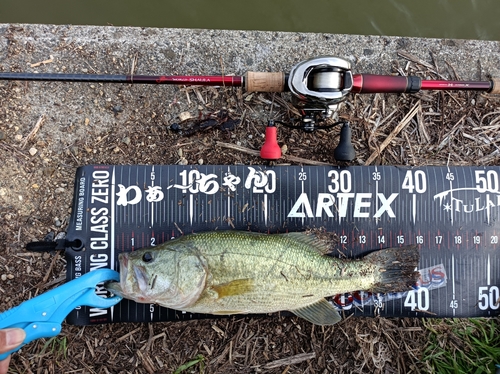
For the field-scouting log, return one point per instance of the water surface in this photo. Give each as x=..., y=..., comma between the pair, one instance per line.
x=465, y=19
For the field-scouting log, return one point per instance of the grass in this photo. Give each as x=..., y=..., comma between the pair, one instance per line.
x=199, y=359
x=57, y=346
x=462, y=345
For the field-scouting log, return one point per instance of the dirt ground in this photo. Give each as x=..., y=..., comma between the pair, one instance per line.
x=47, y=131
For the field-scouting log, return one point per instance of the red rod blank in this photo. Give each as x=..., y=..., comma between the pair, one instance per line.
x=371, y=83
x=456, y=85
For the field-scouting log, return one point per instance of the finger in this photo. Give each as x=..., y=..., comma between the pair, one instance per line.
x=4, y=365
x=10, y=339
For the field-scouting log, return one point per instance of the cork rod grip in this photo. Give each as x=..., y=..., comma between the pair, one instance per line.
x=264, y=82
x=495, y=86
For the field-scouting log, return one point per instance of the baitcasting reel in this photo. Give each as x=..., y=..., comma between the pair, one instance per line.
x=318, y=86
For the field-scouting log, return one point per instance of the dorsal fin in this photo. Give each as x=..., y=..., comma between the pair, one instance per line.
x=310, y=240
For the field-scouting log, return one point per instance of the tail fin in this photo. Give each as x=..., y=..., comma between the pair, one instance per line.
x=396, y=267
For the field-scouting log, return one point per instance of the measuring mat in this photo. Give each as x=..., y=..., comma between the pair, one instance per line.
x=451, y=213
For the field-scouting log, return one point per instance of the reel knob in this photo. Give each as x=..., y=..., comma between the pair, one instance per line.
x=345, y=150
x=271, y=150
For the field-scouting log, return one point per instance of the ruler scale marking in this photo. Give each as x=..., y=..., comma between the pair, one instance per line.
x=453, y=223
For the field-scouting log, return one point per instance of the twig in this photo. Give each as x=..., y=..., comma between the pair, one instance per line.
x=199, y=96
x=257, y=153
x=304, y=160
x=292, y=360
x=53, y=282
x=146, y=362
x=450, y=133
x=178, y=228
x=12, y=149
x=416, y=60
x=425, y=312
x=134, y=64
x=394, y=132
x=387, y=118
x=421, y=127
x=238, y=148
x=482, y=118
x=222, y=66
x=33, y=131
x=52, y=263
x=36, y=64
x=122, y=338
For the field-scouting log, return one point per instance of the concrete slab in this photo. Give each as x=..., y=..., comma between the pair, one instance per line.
x=47, y=130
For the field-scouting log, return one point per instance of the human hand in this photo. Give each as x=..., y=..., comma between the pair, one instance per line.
x=9, y=339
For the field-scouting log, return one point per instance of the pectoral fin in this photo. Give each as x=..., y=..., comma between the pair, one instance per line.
x=234, y=288
x=227, y=312
x=319, y=313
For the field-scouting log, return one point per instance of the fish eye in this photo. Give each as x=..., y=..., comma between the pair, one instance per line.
x=147, y=257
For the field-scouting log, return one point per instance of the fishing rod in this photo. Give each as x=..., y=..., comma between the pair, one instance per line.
x=322, y=78
x=317, y=85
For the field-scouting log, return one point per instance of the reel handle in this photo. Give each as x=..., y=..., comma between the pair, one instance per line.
x=345, y=150
x=271, y=149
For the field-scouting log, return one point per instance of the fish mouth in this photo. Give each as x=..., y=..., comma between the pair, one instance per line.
x=135, y=288
x=117, y=288
x=123, y=259
x=114, y=287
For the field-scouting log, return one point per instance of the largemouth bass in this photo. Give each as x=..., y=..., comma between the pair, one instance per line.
x=233, y=272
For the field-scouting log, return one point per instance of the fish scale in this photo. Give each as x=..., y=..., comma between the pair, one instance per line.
x=287, y=268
